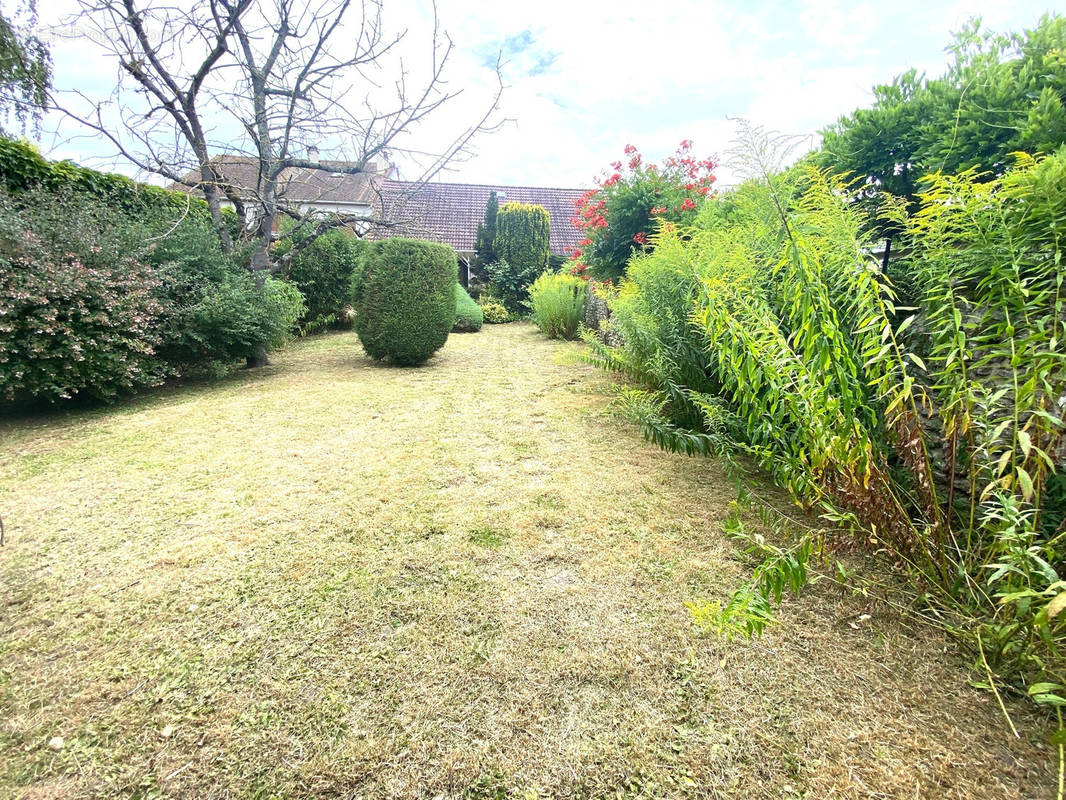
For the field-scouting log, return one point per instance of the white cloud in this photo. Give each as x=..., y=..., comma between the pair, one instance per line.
x=587, y=78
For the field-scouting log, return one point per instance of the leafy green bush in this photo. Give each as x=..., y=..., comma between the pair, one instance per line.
x=322, y=271
x=234, y=319
x=79, y=315
x=522, y=246
x=22, y=168
x=468, y=314
x=651, y=312
x=933, y=434
x=557, y=301
x=1003, y=94
x=94, y=303
x=406, y=300
x=494, y=312
x=216, y=312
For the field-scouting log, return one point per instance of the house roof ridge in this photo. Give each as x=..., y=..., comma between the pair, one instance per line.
x=490, y=185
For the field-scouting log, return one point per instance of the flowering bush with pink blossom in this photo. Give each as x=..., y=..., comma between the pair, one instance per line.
x=629, y=203
x=96, y=303
x=80, y=319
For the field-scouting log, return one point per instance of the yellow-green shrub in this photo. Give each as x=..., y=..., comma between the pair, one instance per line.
x=557, y=301
x=522, y=247
x=934, y=433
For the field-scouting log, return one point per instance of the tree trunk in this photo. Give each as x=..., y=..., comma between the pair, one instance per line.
x=214, y=204
x=260, y=268
x=259, y=359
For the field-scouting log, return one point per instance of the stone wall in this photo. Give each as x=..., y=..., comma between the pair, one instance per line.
x=598, y=317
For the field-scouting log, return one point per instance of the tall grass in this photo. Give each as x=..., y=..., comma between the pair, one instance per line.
x=557, y=301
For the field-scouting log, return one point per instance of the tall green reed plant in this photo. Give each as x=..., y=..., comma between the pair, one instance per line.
x=931, y=432
x=557, y=302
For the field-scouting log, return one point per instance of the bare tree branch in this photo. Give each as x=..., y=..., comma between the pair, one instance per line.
x=221, y=87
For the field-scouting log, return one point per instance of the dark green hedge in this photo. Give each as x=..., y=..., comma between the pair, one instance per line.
x=322, y=271
x=468, y=315
x=23, y=168
x=406, y=299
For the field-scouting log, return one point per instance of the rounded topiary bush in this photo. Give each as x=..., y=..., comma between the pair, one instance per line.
x=468, y=314
x=405, y=302
x=494, y=313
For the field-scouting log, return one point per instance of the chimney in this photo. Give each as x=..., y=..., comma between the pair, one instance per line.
x=312, y=154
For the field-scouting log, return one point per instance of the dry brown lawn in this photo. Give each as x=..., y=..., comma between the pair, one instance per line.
x=330, y=578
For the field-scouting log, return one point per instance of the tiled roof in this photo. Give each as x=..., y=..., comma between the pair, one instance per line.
x=297, y=184
x=450, y=212
x=442, y=212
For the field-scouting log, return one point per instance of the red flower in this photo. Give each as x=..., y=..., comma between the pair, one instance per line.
x=634, y=162
x=688, y=205
x=630, y=149
x=640, y=238
x=658, y=210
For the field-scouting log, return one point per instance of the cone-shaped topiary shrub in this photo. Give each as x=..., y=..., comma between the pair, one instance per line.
x=406, y=300
x=522, y=245
x=468, y=314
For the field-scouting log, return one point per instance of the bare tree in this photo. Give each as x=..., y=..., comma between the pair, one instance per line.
x=269, y=81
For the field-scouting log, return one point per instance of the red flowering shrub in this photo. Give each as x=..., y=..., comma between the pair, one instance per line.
x=630, y=203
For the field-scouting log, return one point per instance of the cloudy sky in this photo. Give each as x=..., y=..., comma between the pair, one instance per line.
x=586, y=78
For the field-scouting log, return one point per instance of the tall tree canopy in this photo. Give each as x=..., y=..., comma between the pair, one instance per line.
x=1003, y=93
x=25, y=68
x=272, y=82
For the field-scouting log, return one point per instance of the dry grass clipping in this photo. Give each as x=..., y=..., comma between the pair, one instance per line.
x=329, y=578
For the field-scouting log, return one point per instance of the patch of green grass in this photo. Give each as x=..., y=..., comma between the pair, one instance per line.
x=487, y=537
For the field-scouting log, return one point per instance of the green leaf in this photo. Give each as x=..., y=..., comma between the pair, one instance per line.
x=1048, y=699
x=1043, y=688
x=1025, y=442
x=1026, y=483
x=905, y=324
